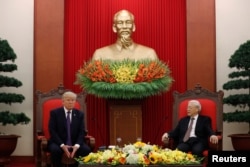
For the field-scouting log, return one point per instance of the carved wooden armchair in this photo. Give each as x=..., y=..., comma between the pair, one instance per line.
x=212, y=106
x=46, y=101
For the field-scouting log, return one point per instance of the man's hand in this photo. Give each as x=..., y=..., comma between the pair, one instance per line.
x=165, y=138
x=66, y=148
x=214, y=139
x=74, y=151
x=70, y=150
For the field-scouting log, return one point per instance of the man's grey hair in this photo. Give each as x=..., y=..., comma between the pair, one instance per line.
x=196, y=103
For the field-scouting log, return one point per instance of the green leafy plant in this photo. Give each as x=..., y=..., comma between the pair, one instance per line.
x=8, y=55
x=240, y=81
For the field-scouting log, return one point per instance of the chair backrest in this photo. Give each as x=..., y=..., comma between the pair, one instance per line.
x=46, y=101
x=211, y=105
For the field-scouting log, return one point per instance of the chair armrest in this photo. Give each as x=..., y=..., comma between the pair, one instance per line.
x=40, y=138
x=89, y=140
x=218, y=146
x=171, y=144
x=44, y=143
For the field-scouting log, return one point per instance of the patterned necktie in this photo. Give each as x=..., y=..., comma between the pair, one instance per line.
x=68, y=142
x=187, y=134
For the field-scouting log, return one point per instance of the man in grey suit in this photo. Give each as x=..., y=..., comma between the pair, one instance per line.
x=195, y=139
x=67, y=138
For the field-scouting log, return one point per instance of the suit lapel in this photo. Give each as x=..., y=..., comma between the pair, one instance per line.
x=186, y=123
x=74, y=118
x=198, y=122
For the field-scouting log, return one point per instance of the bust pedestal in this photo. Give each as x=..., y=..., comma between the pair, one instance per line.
x=125, y=121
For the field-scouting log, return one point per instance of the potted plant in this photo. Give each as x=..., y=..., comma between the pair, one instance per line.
x=240, y=81
x=8, y=141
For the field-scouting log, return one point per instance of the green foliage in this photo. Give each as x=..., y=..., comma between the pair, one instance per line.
x=8, y=67
x=240, y=80
x=127, y=90
x=6, y=52
x=6, y=117
x=241, y=57
x=9, y=82
x=237, y=116
x=237, y=100
x=9, y=98
x=13, y=118
x=236, y=84
x=237, y=74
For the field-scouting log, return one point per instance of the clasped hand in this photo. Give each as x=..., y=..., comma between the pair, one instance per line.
x=70, y=150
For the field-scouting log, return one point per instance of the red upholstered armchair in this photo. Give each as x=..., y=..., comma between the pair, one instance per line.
x=45, y=102
x=212, y=106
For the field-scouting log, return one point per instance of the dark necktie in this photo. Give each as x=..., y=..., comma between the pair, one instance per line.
x=68, y=142
x=187, y=134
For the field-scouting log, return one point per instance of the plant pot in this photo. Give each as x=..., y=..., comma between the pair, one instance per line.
x=240, y=142
x=7, y=147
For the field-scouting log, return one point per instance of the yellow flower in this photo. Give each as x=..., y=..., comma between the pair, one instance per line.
x=87, y=158
x=139, y=144
x=125, y=73
x=153, y=158
x=139, y=153
x=155, y=148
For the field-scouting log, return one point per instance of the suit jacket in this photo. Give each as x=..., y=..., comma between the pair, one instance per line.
x=58, y=127
x=202, y=129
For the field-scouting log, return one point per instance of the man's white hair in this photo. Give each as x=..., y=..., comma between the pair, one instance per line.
x=196, y=103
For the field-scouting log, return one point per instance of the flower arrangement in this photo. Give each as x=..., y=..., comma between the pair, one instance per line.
x=126, y=79
x=139, y=153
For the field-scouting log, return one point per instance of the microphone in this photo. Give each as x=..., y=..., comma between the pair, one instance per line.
x=159, y=127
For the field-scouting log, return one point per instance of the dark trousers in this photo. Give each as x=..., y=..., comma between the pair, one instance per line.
x=194, y=145
x=57, y=152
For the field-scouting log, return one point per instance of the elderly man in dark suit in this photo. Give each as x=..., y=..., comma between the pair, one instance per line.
x=192, y=131
x=66, y=127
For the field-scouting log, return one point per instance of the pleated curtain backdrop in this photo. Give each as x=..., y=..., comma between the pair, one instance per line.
x=160, y=24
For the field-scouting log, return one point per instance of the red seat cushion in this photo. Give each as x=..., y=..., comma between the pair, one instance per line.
x=47, y=107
